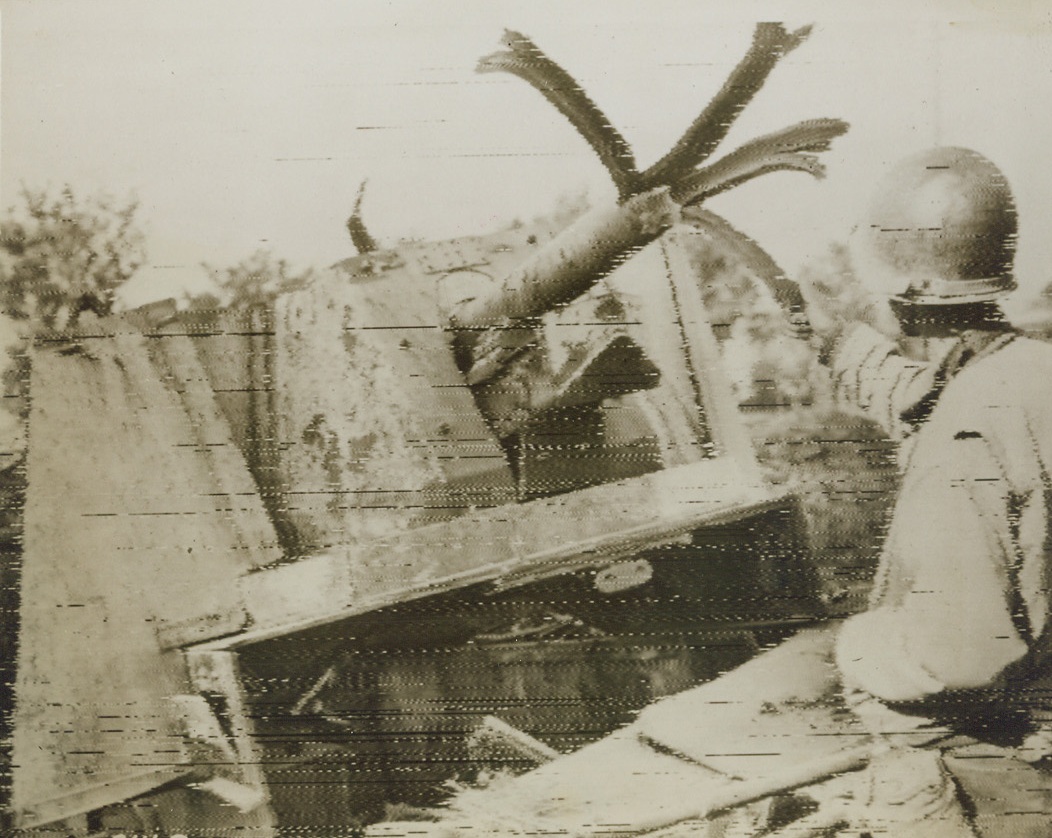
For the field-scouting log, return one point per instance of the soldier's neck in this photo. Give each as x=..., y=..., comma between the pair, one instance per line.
x=948, y=321
x=929, y=332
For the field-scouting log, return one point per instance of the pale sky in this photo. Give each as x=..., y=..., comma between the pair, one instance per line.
x=242, y=124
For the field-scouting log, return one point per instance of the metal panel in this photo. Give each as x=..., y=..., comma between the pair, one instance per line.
x=139, y=517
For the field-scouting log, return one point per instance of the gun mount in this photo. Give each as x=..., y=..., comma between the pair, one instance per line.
x=503, y=470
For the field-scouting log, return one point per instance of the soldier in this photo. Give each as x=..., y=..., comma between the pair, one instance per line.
x=958, y=626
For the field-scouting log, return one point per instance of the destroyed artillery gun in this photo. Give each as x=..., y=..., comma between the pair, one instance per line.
x=502, y=476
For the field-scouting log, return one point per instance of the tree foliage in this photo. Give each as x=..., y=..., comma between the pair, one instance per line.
x=837, y=298
x=766, y=364
x=252, y=281
x=63, y=255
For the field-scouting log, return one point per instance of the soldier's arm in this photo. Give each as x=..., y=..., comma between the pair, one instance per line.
x=961, y=621
x=870, y=374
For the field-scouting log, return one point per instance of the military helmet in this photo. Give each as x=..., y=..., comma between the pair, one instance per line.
x=942, y=229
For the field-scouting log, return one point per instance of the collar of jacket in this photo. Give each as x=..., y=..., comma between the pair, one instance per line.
x=969, y=347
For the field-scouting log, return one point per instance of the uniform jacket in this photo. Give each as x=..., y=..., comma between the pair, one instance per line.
x=961, y=599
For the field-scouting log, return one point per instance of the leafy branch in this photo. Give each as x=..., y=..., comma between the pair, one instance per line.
x=253, y=281
x=64, y=255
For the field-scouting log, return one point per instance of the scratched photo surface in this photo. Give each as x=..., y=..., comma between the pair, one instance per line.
x=505, y=418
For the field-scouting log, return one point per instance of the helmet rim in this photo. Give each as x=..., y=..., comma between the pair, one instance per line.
x=941, y=292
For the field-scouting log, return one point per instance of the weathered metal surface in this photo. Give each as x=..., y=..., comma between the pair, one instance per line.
x=175, y=359
x=138, y=520
x=704, y=470
x=544, y=537
x=199, y=434
x=366, y=425
x=573, y=262
x=402, y=441
x=384, y=699
x=379, y=431
x=376, y=429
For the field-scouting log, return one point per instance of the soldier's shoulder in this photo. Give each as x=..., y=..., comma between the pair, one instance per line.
x=1012, y=365
x=1020, y=346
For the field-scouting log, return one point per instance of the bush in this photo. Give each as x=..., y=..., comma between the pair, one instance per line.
x=252, y=281
x=61, y=256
